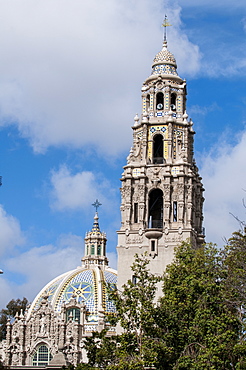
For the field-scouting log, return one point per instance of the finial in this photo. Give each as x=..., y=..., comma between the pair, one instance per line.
x=165, y=24
x=96, y=204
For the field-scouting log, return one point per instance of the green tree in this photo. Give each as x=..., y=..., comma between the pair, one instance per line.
x=135, y=312
x=13, y=307
x=235, y=262
x=135, y=308
x=199, y=323
x=200, y=329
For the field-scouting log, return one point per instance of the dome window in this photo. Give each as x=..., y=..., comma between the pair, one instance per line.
x=99, y=250
x=92, y=249
x=42, y=357
x=73, y=314
x=159, y=101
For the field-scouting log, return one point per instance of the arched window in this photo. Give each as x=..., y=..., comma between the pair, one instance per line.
x=156, y=209
x=173, y=101
x=42, y=357
x=74, y=314
x=159, y=101
x=158, y=149
x=92, y=249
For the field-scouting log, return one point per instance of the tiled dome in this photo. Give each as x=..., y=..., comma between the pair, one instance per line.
x=164, y=62
x=85, y=284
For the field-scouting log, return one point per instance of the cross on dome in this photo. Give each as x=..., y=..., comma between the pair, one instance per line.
x=165, y=24
x=96, y=204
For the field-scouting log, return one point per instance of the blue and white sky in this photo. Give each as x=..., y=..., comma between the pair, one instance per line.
x=70, y=84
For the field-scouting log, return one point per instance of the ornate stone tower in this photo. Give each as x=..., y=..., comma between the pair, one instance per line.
x=95, y=246
x=162, y=192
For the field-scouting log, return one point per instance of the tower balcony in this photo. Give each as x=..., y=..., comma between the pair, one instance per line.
x=155, y=224
x=153, y=233
x=155, y=229
x=158, y=160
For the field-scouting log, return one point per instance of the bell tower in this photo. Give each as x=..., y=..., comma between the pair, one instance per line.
x=161, y=193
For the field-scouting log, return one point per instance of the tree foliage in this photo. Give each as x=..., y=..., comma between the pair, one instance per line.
x=199, y=316
x=199, y=323
x=12, y=308
x=135, y=313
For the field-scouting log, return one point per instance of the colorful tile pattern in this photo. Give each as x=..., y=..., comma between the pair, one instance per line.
x=112, y=280
x=164, y=69
x=82, y=286
x=175, y=171
x=136, y=172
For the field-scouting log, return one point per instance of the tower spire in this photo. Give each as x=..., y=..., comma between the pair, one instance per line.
x=165, y=24
x=162, y=192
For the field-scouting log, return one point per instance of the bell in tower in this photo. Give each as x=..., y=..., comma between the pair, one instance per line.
x=161, y=193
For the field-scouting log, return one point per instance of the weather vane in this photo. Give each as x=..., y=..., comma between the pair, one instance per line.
x=96, y=204
x=165, y=24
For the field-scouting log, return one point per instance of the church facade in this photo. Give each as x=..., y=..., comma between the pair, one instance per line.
x=161, y=206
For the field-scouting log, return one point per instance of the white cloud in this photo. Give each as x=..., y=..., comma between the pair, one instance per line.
x=37, y=266
x=203, y=110
x=244, y=23
x=72, y=191
x=188, y=55
x=76, y=191
x=224, y=179
x=71, y=72
x=10, y=232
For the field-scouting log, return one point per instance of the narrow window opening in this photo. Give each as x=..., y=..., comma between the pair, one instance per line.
x=158, y=149
x=135, y=213
x=92, y=249
x=175, y=212
x=152, y=245
x=134, y=279
x=147, y=102
x=159, y=101
x=156, y=209
x=173, y=101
